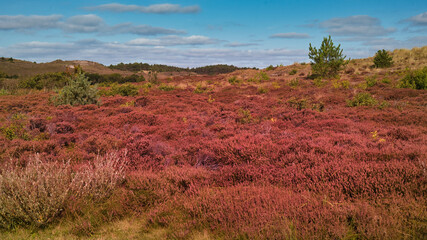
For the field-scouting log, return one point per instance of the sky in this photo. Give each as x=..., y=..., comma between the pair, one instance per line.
x=189, y=33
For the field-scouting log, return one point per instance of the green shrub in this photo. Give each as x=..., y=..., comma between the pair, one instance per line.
x=4, y=92
x=47, y=80
x=415, y=79
x=382, y=59
x=259, y=77
x=371, y=81
x=293, y=72
x=165, y=87
x=124, y=90
x=386, y=80
x=77, y=92
x=262, y=90
x=345, y=84
x=362, y=99
x=328, y=59
x=16, y=128
x=318, y=82
x=245, y=116
x=269, y=68
x=298, y=104
x=294, y=83
x=200, y=88
x=233, y=80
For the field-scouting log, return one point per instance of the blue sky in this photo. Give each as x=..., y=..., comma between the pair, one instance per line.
x=195, y=33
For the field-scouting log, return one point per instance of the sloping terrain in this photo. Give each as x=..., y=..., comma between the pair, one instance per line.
x=251, y=154
x=26, y=69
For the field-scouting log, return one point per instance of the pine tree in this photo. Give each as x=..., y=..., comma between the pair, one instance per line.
x=382, y=59
x=77, y=92
x=328, y=59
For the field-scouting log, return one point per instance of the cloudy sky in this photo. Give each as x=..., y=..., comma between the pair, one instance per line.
x=195, y=33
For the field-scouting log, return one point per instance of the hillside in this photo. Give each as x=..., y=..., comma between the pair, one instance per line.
x=27, y=69
x=251, y=154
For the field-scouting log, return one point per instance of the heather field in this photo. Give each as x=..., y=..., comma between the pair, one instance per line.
x=250, y=154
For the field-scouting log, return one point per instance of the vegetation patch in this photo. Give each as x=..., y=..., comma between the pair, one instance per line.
x=416, y=79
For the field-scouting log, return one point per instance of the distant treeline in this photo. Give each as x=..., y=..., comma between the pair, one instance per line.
x=211, y=69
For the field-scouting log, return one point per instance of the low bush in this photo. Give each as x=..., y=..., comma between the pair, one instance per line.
x=293, y=72
x=371, y=81
x=262, y=90
x=4, y=92
x=294, y=83
x=165, y=87
x=16, y=127
x=259, y=77
x=125, y=90
x=415, y=79
x=47, y=80
x=77, y=92
x=318, y=82
x=362, y=99
x=37, y=194
x=234, y=80
x=382, y=59
x=33, y=195
x=344, y=84
x=113, y=78
x=269, y=68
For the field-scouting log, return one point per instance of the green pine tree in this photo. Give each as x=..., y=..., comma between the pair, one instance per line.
x=328, y=59
x=77, y=92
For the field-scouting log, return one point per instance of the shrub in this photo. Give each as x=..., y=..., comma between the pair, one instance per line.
x=234, y=80
x=262, y=90
x=345, y=84
x=371, y=81
x=298, y=104
x=201, y=88
x=328, y=59
x=269, y=68
x=47, y=80
x=124, y=90
x=293, y=72
x=386, y=80
x=165, y=87
x=318, y=82
x=77, y=92
x=245, y=116
x=259, y=77
x=294, y=82
x=37, y=193
x=99, y=178
x=382, y=59
x=34, y=195
x=362, y=99
x=415, y=79
x=16, y=128
x=4, y=92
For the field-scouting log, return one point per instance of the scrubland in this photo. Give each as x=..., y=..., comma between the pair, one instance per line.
x=252, y=154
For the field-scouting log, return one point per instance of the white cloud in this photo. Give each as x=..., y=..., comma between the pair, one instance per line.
x=173, y=40
x=290, y=35
x=359, y=25
x=239, y=44
x=84, y=24
x=113, y=52
x=418, y=20
x=79, y=24
x=146, y=30
x=20, y=22
x=156, y=8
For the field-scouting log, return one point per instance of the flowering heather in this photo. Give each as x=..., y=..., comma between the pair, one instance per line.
x=293, y=163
